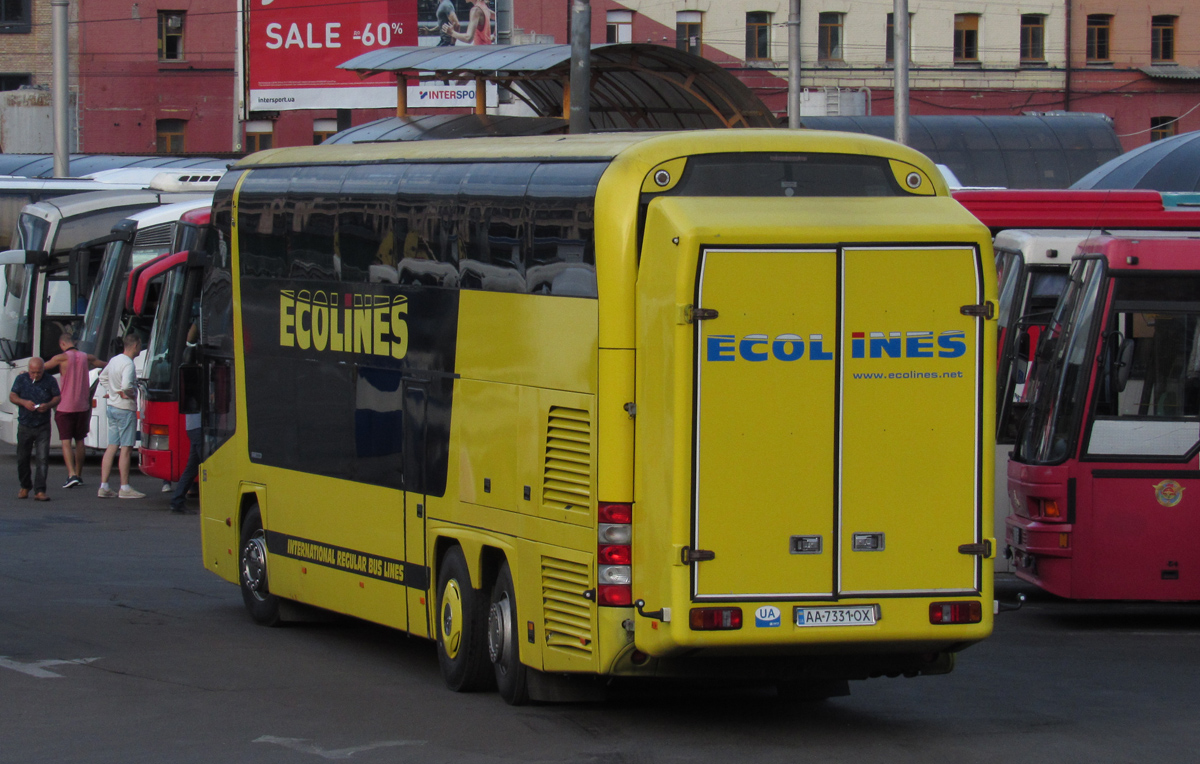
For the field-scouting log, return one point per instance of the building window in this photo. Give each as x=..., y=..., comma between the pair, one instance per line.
x=620, y=26
x=1162, y=127
x=170, y=135
x=1033, y=38
x=170, y=35
x=260, y=133
x=1099, y=31
x=1162, y=39
x=688, y=33
x=758, y=36
x=966, y=38
x=829, y=37
x=322, y=129
x=15, y=81
x=15, y=17
x=890, y=45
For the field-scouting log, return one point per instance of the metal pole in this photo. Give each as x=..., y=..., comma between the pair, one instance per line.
x=793, y=26
x=61, y=90
x=504, y=22
x=239, y=76
x=581, y=67
x=900, y=59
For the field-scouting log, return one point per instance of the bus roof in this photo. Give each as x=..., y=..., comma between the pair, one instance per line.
x=1133, y=253
x=1056, y=246
x=81, y=204
x=1013, y=208
x=169, y=213
x=594, y=146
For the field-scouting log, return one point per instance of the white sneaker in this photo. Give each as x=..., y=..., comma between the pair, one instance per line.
x=166, y=486
x=106, y=493
x=131, y=493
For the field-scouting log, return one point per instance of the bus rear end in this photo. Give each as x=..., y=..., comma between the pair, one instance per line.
x=814, y=414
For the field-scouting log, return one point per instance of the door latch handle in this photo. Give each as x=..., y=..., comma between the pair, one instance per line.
x=983, y=549
x=986, y=311
x=690, y=555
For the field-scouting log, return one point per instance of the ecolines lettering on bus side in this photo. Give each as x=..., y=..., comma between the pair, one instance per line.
x=791, y=347
x=375, y=324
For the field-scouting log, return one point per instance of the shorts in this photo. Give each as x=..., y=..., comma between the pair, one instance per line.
x=73, y=425
x=121, y=430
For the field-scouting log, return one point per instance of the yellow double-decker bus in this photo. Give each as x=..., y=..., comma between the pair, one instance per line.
x=712, y=405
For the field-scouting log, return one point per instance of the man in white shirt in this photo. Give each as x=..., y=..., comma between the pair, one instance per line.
x=119, y=378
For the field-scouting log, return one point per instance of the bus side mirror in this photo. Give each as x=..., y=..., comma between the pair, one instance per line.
x=1023, y=344
x=24, y=257
x=191, y=388
x=1124, y=365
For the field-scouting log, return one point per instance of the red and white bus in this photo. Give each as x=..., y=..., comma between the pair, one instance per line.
x=1104, y=481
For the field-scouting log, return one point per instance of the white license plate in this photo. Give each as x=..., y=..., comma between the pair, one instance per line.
x=838, y=615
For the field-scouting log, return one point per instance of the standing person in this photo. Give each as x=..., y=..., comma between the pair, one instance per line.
x=74, y=414
x=120, y=380
x=35, y=393
x=479, y=26
x=194, y=433
x=447, y=18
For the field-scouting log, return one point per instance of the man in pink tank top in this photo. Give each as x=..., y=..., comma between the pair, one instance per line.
x=74, y=413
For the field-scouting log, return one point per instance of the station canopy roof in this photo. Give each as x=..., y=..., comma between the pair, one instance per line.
x=1172, y=164
x=1032, y=151
x=42, y=165
x=645, y=87
x=429, y=127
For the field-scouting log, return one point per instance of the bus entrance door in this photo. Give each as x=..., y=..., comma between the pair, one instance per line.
x=764, y=430
x=415, y=436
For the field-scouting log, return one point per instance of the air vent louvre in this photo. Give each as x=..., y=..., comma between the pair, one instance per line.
x=567, y=612
x=567, y=477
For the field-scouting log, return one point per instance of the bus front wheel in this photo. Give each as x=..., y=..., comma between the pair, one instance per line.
x=460, y=617
x=263, y=606
x=503, y=644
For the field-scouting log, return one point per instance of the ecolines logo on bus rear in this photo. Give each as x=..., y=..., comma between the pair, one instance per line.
x=792, y=347
x=375, y=324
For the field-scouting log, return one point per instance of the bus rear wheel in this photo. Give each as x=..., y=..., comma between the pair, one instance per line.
x=503, y=645
x=252, y=564
x=460, y=618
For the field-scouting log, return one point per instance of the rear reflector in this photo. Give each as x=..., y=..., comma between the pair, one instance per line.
x=715, y=618
x=967, y=611
x=614, y=595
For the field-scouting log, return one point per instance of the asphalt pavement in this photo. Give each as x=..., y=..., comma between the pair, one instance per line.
x=117, y=646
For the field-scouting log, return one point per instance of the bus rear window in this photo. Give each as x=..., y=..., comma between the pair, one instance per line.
x=760, y=174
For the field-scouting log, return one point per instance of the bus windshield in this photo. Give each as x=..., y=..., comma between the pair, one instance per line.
x=15, y=336
x=159, y=364
x=102, y=309
x=1062, y=370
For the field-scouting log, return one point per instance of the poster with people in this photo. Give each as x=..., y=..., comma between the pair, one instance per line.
x=446, y=23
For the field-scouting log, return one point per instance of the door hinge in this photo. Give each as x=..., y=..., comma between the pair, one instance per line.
x=692, y=314
x=986, y=311
x=983, y=548
x=690, y=555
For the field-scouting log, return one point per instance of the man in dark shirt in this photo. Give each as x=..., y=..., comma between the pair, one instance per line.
x=34, y=394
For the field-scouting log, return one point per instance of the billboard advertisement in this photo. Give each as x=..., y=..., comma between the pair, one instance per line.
x=293, y=47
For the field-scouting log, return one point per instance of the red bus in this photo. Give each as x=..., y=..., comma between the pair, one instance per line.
x=177, y=280
x=1104, y=481
x=1036, y=234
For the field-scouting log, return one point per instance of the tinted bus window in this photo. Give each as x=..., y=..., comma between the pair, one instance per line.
x=562, y=256
x=366, y=237
x=787, y=175
x=427, y=208
x=262, y=226
x=496, y=222
x=311, y=213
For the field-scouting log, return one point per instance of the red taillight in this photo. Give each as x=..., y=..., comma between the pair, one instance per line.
x=613, y=554
x=614, y=595
x=715, y=618
x=616, y=513
x=966, y=611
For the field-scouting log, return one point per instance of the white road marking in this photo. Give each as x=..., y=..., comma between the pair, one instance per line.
x=303, y=746
x=38, y=668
